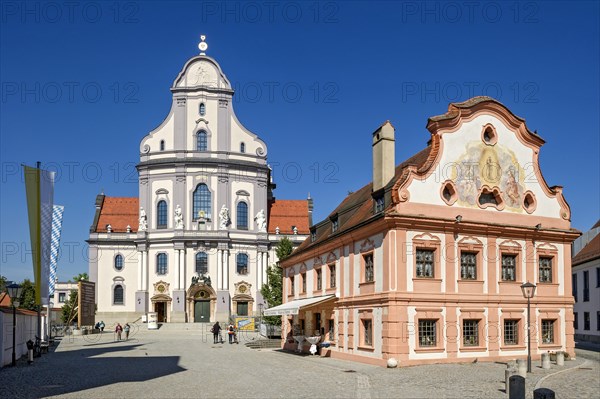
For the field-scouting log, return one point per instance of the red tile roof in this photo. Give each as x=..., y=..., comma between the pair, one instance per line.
x=119, y=212
x=287, y=213
x=590, y=252
x=4, y=299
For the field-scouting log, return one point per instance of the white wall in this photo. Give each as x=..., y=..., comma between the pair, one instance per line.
x=26, y=330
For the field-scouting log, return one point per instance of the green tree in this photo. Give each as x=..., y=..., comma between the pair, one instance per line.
x=2, y=284
x=27, y=298
x=272, y=291
x=69, y=309
x=81, y=276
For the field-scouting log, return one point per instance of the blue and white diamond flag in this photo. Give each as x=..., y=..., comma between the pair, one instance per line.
x=57, y=215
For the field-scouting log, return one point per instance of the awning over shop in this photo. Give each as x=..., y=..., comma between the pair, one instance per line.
x=292, y=307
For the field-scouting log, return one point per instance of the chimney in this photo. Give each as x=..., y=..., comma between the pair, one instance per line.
x=384, y=164
x=310, y=210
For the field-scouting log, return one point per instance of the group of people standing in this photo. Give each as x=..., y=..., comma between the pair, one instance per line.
x=120, y=329
x=231, y=332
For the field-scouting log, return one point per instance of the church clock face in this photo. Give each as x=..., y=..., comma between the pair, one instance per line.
x=242, y=289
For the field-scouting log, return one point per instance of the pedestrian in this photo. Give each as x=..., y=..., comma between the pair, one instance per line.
x=118, y=330
x=101, y=326
x=126, y=329
x=231, y=333
x=216, y=330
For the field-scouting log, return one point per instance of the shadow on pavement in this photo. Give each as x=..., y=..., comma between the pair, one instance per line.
x=76, y=370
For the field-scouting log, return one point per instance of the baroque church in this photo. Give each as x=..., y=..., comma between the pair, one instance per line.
x=195, y=245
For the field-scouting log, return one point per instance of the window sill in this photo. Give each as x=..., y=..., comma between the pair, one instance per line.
x=549, y=346
x=365, y=348
x=510, y=282
x=331, y=289
x=434, y=349
x=366, y=283
x=469, y=281
x=437, y=280
x=547, y=284
x=473, y=349
x=513, y=348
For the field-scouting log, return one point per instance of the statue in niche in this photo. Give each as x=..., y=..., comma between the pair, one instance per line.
x=178, y=218
x=223, y=217
x=143, y=223
x=261, y=221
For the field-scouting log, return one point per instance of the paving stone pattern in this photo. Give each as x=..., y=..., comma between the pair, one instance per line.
x=186, y=364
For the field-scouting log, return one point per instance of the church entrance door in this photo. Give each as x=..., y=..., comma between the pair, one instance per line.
x=201, y=311
x=160, y=309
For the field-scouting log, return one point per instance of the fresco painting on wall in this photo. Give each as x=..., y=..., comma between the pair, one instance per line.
x=495, y=167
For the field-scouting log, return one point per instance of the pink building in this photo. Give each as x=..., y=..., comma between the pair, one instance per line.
x=425, y=263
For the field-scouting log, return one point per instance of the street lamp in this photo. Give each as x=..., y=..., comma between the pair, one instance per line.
x=14, y=292
x=49, y=319
x=528, y=292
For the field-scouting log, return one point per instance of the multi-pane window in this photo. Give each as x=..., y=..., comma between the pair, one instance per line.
x=332, y=276
x=161, y=264
x=119, y=262
x=319, y=279
x=470, y=332
x=368, y=268
x=201, y=201
x=509, y=267
x=201, y=263
x=511, y=332
x=574, y=286
x=161, y=215
x=547, y=331
x=118, y=295
x=242, y=216
x=575, y=321
x=242, y=263
x=242, y=148
x=331, y=330
x=379, y=204
x=368, y=332
x=242, y=308
x=162, y=145
x=545, y=268
x=303, y=282
x=291, y=285
x=586, y=286
x=468, y=265
x=427, y=333
x=61, y=297
x=586, y=321
x=425, y=263
x=202, y=109
x=334, y=224
x=313, y=235
x=202, y=141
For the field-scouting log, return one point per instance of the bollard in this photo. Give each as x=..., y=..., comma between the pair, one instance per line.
x=545, y=361
x=522, y=367
x=560, y=358
x=29, y=351
x=509, y=372
x=516, y=387
x=543, y=393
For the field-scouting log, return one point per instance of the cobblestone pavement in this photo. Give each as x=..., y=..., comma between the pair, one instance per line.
x=186, y=364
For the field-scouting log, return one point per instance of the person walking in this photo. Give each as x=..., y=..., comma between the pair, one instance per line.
x=231, y=333
x=118, y=330
x=126, y=329
x=216, y=330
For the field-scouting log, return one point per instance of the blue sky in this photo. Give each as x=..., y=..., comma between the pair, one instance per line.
x=83, y=82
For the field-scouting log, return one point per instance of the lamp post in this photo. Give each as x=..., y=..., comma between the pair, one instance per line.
x=528, y=292
x=49, y=317
x=14, y=292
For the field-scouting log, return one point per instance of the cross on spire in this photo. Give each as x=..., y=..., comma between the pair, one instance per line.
x=202, y=45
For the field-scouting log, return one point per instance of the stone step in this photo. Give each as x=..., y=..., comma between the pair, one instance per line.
x=185, y=326
x=264, y=344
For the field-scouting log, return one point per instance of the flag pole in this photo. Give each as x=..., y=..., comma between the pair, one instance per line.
x=39, y=248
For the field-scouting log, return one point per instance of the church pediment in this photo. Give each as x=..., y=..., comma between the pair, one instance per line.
x=201, y=72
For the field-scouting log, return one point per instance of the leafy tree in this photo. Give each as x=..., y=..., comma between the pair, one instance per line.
x=272, y=291
x=69, y=309
x=2, y=284
x=27, y=298
x=81, y=276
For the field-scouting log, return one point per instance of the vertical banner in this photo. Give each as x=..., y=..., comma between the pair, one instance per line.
x=57, y=215
x=39, y=187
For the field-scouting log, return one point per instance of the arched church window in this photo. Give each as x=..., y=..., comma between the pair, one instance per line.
x=202, y=141
x=118, y=295
x=242, y=216
x=161, y=263
x=201, y=201
x=119, y=262
x=161, y=215
x=202, y=109
x=242, y=148
x=201, y=263
x=162, y=145
x=242, y=263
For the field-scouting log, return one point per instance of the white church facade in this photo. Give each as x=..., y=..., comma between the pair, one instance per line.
x=195, y=245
